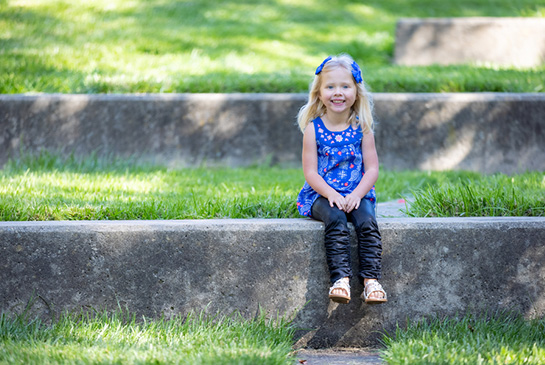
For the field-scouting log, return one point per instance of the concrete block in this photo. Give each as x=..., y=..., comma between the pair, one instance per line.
x=516, y=42
x=171, y=129
x=483, y=132
x=486, y=132
x=443, y=266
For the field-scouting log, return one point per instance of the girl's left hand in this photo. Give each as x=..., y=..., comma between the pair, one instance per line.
x=351, y=202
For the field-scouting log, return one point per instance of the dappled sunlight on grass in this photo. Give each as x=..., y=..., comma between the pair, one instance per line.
x=47, y=187
x=481, y=196
x=500, y=338
x=210, y=46
x=121, y=337
x=44, y=189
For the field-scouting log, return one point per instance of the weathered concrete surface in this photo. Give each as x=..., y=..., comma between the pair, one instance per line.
x=499, y=41
x=486, y=132
x=174, y=129
x=431, y=267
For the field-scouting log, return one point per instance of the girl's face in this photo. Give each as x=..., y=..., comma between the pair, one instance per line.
x=338, y=90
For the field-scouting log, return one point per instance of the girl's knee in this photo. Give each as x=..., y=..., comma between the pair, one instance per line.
x=333, y=217
x=366, y=223
x=337, y=218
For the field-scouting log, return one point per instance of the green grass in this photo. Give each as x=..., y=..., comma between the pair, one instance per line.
x=481, y=196
x=503, y=338
x=154, y=46
x=121, y=338
x=47, y=187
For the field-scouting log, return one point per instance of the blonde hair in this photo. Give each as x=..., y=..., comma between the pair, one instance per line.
x=362, y=110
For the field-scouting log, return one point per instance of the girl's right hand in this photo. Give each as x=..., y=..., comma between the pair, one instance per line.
x=338, y=200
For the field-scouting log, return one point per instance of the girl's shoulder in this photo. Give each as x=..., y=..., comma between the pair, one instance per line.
x=315, y=125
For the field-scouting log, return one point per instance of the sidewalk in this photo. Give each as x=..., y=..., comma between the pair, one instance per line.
x=338, y=356
x=392, y=209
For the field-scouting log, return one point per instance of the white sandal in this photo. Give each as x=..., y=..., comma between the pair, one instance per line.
x=343, y=284
x=371, y=287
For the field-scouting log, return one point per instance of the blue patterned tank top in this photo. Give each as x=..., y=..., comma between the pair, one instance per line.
x=340, y=163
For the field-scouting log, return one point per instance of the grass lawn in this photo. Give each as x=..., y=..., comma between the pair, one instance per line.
x=153, y=46
x=120, y=338
x=51, y=188
x=502, y=338
x=482, y=196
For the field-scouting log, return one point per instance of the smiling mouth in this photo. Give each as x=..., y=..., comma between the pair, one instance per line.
x=337, y=101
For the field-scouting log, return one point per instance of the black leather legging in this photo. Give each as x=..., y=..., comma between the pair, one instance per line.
x=337, y=239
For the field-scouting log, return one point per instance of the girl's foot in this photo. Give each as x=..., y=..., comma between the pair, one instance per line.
x=373, y=293
x=340, y=291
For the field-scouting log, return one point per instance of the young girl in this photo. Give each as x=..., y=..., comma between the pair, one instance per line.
x=340, y=165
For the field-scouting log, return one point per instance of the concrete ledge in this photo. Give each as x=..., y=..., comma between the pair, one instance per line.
x=431, y=267
x=484, y=132
x=500, y=41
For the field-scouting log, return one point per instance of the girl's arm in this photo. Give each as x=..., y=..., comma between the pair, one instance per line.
x=370, y=162
x=310, y=170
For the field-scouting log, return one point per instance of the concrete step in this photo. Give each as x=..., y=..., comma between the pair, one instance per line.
x=432, y=266
x=501, y=41
x=485, y=132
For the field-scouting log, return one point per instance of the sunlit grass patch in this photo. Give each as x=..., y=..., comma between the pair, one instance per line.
x=482, y=196
x=47, y=187
x=122, y=338
x=231, y=46
x=502, y=338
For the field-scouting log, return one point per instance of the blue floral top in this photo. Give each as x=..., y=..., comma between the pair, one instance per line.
x=340, y=163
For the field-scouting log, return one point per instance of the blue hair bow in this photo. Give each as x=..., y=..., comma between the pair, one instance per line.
x=356, y=71
x=321, y=67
